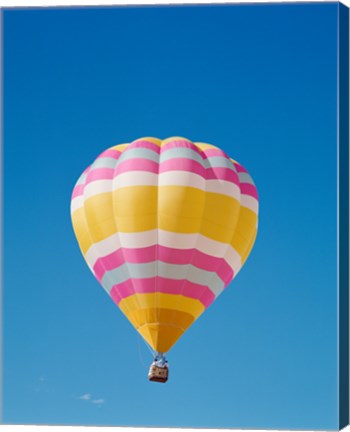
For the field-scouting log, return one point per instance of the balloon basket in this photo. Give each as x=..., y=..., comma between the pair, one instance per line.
x=158, y=373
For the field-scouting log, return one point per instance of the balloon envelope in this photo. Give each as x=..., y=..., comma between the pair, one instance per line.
x=164, y=225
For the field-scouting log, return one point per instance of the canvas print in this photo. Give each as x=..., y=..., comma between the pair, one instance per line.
x=175, y=216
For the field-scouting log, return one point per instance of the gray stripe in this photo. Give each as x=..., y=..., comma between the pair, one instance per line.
x=181, y=152
x=214, y=161
x=81, y=179
x=220, y=162
x=104, y=162
x=245, y=178
x=142, y=153
x=171, y=271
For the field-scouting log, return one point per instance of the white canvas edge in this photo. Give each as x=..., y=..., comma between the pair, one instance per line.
x=82, y=3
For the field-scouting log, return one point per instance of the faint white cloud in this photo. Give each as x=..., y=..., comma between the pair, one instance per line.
x=86, y=396
x=95, y=401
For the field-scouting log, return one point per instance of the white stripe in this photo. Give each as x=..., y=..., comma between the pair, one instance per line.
x=181, y=178
x=250, y=202
x=76, y=203
x=112, y=243
x=165, y=238
x=140, y=239
x=91, y=189
x=223, y=187
x=102, y=248
x=233, y=258
x=173, y=178
x=138, y=178
x=97, y=187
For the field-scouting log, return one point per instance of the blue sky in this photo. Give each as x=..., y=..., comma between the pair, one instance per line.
x=258, y=81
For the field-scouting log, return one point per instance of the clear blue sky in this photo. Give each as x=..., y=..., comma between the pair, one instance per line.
x=258, y=81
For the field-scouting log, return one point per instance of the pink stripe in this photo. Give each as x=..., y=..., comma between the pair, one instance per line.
x=162, y=285
x=78, y=190
x=144, y=144
x=205, y=154
x=239, y=167
x=182, y=144
x=196, y=258
x=99, y=174
x=110, y=153
x=249, y=189
x=211, y=152
x=164, y=254
x=222, y=174
x=176, y=164
x=122, y=256
x=137, y=164
x=182, y=164
x=86, y=170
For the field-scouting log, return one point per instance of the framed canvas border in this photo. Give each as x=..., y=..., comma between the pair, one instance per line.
x=343, y=213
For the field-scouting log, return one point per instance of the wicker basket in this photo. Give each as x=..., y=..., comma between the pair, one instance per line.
x=158, y=374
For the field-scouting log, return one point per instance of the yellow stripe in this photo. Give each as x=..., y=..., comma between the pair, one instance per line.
x=95, y=221
x=172, y=317
x=239, y=243
x=247, y=219
x=170, y=208
x=160, y=327
x=79, y=223
x=81, y=230
x=163, y=301
x=153, y=140
x=160, y=337
x=244, y=231
x=249, y=247
x=87, y=236
x=178, y=209
x=122, y=147
x=99, y=216
x=119, y=147
x=167, y=140
x=204, y=146
x=135, y=208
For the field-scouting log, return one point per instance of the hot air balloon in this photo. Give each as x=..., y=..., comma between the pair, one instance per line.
x=164, y=226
